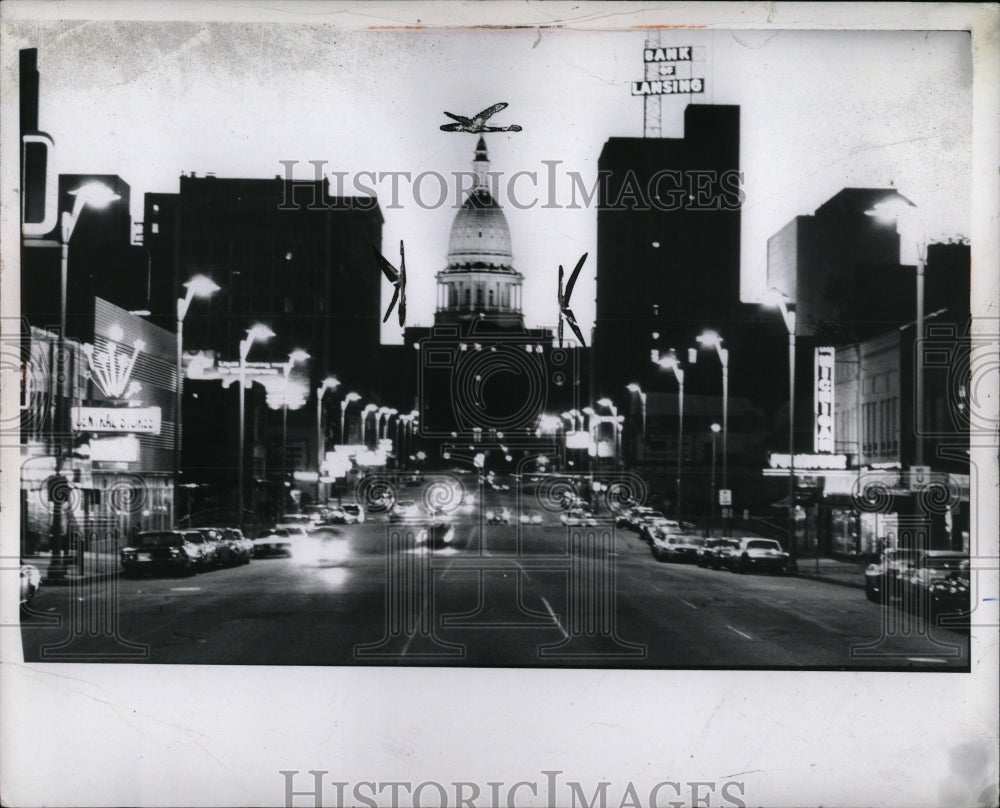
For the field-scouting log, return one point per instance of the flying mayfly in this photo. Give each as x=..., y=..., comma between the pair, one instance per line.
x=477, y=123
x=398, y=279
x=565, y=312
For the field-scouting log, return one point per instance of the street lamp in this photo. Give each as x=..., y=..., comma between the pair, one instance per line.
x=293, y=358
x=635, y=388
x=715, y=431
x=329, y=383
x=671, y=362
x=198, y=286
x=899, y=210
x=710, y=339
x=787, y=308
x=607, y=402
x=364, y=422
x=256, y=333
x=348, y=400
x=98, y=196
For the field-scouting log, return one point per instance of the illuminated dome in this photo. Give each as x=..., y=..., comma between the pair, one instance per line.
x=480, y=281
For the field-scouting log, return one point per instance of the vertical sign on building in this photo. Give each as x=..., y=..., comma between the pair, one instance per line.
x=823, y=437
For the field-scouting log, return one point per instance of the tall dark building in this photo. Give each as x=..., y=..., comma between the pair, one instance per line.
x=283, y=253
x=668, y=244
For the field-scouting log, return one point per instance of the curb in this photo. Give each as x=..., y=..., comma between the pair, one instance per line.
x=810, y=576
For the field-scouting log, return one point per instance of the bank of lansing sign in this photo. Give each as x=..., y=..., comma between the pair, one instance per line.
x=662, y=63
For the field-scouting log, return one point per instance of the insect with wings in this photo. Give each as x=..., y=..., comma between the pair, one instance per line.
x=477, y=123
x=398, y=279
x=565, y=312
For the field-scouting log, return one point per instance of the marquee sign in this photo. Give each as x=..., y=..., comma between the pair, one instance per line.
x=808, y=462
x=145, y=420
x=823, y=435
x=661, y=73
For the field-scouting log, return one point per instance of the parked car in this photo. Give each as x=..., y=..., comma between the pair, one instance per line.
x=239, y=545
x=205, y=550
x=758, y=554
x=355, y=512
x=635, y=516
x=882, y=578
x=936, y=583
x=437, y=535
x=677, y=547
x=714, y=553
x=217, y=550
x=276, y=542
x=403, y=511
x=648, y=525
x=531, y=518
x=174, y=551
x=578, y=517
x=498, y=516
x=31, y=580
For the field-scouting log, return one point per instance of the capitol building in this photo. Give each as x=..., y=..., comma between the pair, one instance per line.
x=480, y=282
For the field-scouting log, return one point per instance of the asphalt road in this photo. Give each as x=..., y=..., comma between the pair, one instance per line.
x=498, y=595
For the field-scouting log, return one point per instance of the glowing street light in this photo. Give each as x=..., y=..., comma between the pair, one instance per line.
x=256, y=333
x=786, y=306
x=198, y=286
x=295, y=357
x=344, y=404
x=671, y=362
x=900, y=211
x=98, y=196
x=610, y=405
x=329, y=383
x=364, y=422
x=710, y=339
x=635, y=388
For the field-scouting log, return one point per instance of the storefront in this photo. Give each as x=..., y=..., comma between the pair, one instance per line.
x=109, y=471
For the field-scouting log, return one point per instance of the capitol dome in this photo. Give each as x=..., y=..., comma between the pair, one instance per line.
x=480, y=281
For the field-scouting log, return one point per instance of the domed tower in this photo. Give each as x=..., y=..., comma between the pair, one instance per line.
x=480, y=282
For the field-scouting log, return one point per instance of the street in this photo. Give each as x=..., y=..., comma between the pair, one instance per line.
x=496, y=595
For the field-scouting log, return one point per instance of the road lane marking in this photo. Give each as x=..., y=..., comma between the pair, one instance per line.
x=927, y=659
x=747, y=636
x=555, y=619
x=688, y=604
x=185, y=589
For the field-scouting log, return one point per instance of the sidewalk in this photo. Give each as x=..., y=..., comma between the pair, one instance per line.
x=96, y=564
x=832, y=571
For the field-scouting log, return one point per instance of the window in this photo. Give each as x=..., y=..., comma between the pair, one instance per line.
x=479, y=296
x=491, y=298
x=156, y=227
x=468, y=298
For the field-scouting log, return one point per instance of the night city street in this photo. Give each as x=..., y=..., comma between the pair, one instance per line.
x=495, y=606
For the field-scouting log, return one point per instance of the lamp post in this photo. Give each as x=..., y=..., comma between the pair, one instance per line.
x=364, y=422
x=635, y=388
x=715, y=431
x=671, y=362
x=610, y=405
x=286, y=369
x=347, y=401
x=787, y=308
x=710, y=339
x=329, y=383
x=254, y=334
x=98, y=196
x=899, y=210
x=198, y=286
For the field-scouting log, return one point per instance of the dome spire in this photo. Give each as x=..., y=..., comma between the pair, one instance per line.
x=481, y=163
